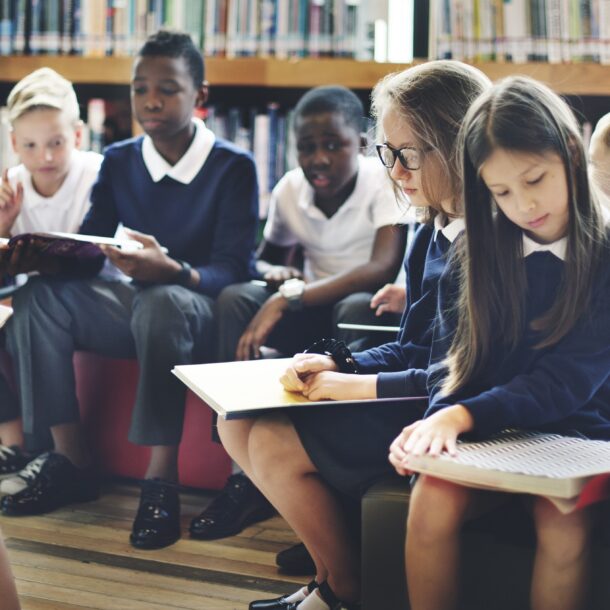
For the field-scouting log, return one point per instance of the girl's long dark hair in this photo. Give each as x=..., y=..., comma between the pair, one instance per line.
x=522, y=115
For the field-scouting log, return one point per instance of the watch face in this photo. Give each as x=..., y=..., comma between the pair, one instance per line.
x=292, y=289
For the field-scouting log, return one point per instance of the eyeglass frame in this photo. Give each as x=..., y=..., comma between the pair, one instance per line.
x=397, y=154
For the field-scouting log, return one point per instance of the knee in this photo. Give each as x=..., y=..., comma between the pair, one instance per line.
x=38, y=290
x=562, y=537
x=159, y=309
x=436, y=510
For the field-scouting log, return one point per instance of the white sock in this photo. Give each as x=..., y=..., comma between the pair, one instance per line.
x=314, y=602
x=299, y=596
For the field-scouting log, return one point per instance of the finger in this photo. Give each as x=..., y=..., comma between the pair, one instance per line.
x=397, y=465
x=291, y=380
x=436, y=446
x=19, y=194
x=382, y=309
x=311, y=364
x=243, y=347
x=451, y=446
x=5, y=175
x=143, y=238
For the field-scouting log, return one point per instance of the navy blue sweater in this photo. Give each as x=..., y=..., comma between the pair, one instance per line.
x=210, y=223
x=564, y=388
x=400, y=364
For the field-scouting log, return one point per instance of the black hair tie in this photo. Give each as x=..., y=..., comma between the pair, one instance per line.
x=338, y=351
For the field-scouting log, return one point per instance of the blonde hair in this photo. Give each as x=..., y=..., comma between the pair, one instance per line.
x=433, y=98
x=43, y=88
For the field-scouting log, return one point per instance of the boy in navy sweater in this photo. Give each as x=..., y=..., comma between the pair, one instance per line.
x=179, y=188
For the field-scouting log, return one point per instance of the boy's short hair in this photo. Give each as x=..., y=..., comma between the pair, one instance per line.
x=169, y=43
x=43, y=88
x=332, y=98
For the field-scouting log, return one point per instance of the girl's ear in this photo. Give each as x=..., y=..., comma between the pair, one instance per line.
x=78, y=134
x=363, y=140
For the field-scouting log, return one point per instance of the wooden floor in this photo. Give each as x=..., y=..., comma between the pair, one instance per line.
x=80, y=557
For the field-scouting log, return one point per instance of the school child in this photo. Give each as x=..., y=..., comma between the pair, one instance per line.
x=48, y=191
x=306, y=463
x=339, y=209
x=527, y=341
x=599, y=159
x=177, y=187
x=8, y=592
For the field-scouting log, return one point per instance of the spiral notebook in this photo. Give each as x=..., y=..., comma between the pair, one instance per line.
x=572, y=471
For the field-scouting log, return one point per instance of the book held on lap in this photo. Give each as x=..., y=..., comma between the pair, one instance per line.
x=570, y=472
x=240, y=389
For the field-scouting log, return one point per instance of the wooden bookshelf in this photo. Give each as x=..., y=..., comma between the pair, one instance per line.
x=571, y=79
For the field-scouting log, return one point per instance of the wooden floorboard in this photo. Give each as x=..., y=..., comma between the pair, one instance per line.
x=79, y=558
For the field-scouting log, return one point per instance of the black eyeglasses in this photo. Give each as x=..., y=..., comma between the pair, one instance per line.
x=409, y=157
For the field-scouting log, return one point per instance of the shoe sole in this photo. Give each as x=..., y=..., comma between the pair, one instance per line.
x=151, y=546
x=17, y=512
x=255, y=517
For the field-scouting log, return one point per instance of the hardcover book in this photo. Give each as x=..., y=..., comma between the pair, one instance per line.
x=240, y=389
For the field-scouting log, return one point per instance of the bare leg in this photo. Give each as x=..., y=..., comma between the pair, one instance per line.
x=234, y=435
x=7, y=582
x=163, y=463
x=292, y=484
x=11, y=433
x=563, y=558
x=69, y=441
x=437, y=510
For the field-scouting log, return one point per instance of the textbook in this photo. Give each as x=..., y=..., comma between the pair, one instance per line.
x=241, y=389
x=5, y=313
x=68, y=245
x=571, y=472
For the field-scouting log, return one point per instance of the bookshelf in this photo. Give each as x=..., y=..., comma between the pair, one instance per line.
x=569, y=79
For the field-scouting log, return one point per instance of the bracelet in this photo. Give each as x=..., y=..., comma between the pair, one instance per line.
x=338, y=351
x=183, y=275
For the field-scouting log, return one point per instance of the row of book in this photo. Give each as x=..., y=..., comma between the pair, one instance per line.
x=553, y=31
x=231, y=28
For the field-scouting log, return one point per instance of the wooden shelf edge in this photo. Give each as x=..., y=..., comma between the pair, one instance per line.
x=573, y=79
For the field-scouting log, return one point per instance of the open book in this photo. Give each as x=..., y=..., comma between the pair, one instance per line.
x=239, y=389
x=571, y=472
x=69, y=245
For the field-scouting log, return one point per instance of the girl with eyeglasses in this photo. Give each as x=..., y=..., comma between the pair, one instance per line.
x=308, y=461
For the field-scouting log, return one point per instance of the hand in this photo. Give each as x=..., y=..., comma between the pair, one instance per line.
x=391, y=298
x=302, y=366
x=278, y=274
x=10, y=204
x=260, y=327
x=431, y=436
x=150, y=264
x=29, y=255
x=329, y=385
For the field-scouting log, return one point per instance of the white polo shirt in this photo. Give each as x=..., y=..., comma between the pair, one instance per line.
x=64, y=211
x=337, y=244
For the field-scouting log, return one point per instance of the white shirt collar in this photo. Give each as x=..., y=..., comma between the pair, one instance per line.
x=558, y=248
x=450, y=230
x=190, y=163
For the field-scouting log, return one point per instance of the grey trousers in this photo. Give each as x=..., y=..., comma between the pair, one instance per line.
x=160, y=325
x=237, y=304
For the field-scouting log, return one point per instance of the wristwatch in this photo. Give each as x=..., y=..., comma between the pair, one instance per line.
x=292, y=290
x=183, y=275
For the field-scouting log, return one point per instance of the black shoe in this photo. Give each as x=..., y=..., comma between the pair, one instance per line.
x=157, y=522
x=239, y=504
x=279, y=603
x=295, y=561
x=58, y=483
x=12, y=460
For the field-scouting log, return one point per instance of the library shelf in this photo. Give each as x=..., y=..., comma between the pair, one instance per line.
x=569, y=79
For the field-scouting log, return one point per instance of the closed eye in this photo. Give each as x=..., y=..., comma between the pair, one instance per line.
x=535, y=180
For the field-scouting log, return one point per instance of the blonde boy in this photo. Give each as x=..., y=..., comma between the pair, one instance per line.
x=48, y=191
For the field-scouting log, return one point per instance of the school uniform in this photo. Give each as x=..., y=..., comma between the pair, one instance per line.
x=564, y=388
x=64, y=211
x=204, y=210
x=349, y=444
x=330, y=246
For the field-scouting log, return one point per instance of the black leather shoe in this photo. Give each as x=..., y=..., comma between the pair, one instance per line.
x=58, y=483
x=279, y=603
x=239, y=504
x=295, y=561
x=157, y=522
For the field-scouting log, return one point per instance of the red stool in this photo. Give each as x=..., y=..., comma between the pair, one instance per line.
x=106, y=390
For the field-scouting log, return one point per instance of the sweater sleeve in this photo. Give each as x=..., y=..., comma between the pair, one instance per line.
x=235, y=230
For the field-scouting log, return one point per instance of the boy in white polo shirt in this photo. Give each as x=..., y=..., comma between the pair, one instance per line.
x=48, y=191
x=339, y=208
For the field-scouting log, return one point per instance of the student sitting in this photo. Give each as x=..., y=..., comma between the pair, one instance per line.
x=339, y=208
x=178, y=187
x=524, y=323
x=48, y=191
